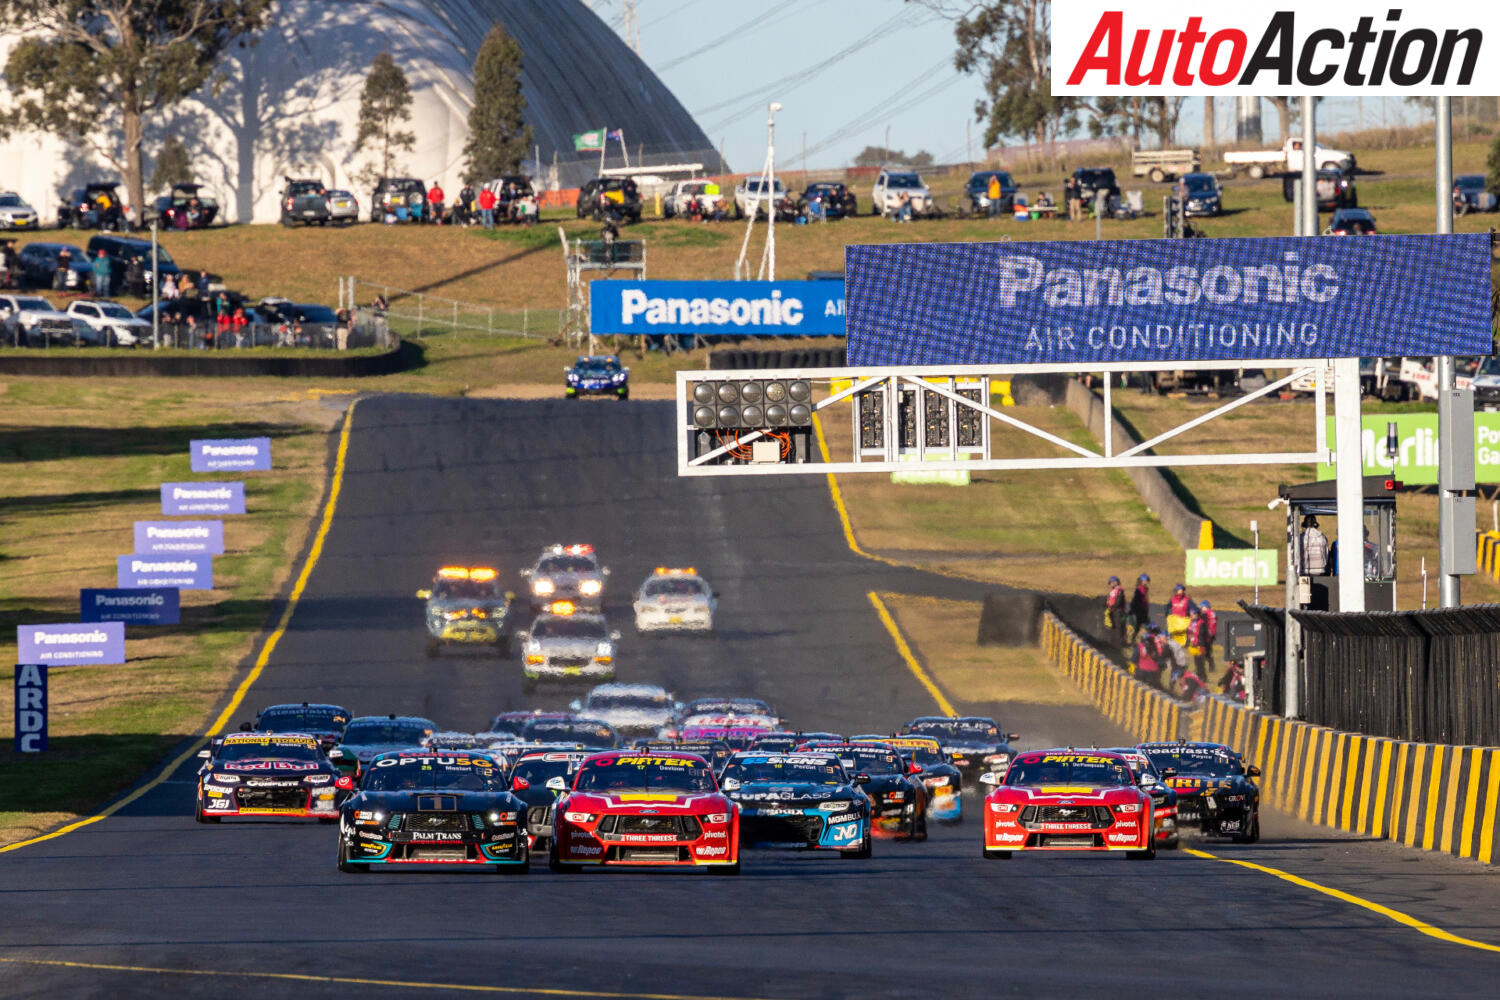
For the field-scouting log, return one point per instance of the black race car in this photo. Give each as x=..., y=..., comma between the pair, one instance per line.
x=974, y=743
x=939, y=775
x=777, y=741
x=590, y=733
x=326, y=722
x=898, y=799
x=423, y=807
x=716, y=752
x=803, y=799
x=268, y=775
x=537, y=778
x=1163, y=796
x=1213, y=787
x=596, y=375
x=369, y=736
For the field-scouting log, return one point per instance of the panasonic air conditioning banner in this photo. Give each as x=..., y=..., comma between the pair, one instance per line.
x=1334, y=48
x=1090, y=302
x=716, y=308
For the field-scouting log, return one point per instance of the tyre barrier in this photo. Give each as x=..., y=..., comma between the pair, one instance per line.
x=735, y=359
x=1427, y=795
x=1143, y=711
x=293, y=362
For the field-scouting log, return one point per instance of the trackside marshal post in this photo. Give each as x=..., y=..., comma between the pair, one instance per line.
x=31, y=708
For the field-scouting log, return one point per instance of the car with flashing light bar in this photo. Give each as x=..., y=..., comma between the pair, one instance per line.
x=1163, y=797
x=566, y=646
x=716, y=752
x=1068, y=800
x=368, y=736
x=568, y=573
x=898, y=799
x=280, y=775
x=975, y=743
x=675, y=599
x=433, y=807
x=939, y=775
x=596, y=375
x=467, y=606
x=803, y=800
x=632, y=710
x=326, y=722
x=1214, y=787
x=644, y=809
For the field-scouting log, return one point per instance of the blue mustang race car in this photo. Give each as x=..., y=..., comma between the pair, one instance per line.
x=799, y=800
x=597, y=375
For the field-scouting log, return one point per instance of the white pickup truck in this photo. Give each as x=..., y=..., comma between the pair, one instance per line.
x=1260, y=162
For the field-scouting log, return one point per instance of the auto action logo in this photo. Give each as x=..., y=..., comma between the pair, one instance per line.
x=1334, y=49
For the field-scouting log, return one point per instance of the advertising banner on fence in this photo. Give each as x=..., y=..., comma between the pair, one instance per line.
x=179, y=537
x=31, y=708
x=1249, y=298
x=182, y=572
x=203, y=498
x=1417, y=447
x=715, y=308
x=1230, y=567
x=232, y=455
x=133, y=606
x=98, y=642
x=1334, y=48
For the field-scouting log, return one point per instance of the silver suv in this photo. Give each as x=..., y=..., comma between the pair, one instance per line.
x=892, y=184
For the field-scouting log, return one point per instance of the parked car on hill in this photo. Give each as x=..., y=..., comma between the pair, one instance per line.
x=402, y=198
x=1352, y=222
x=1470, y=195
x=186, y=206
x=977, y=190
x=509, y=189
x=109, y=323
x=890, y=185
x=93, y=206
x=32, y=321
x=838, y=200
x=1335, y=189
x=610, y=195
x=343, y=207
x=1201, y=195
x=1093, y=180
x=751, y=196
x=39, y=267
x=304, y=201
x=122, y=250
x=16, y=214
x=679, y=199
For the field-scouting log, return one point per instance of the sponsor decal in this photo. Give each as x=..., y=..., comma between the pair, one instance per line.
x=1074, y=758
x=429, y=836
x=1122, y=838
x=716, y=835
x=31, y=708
x=202, y=498
x=483, y=763
x=1007, y=838
x=648, y=838
x=231, y=455
x=844, y=818
x=268, y=765
x=713, y=852
x=713, y=308
x=131, y=605
x=585, y=849
x=154, y=538
x=1416, y=456
x=844, y=833
x=182, y=572
x=100, y=642
x=1231, y=567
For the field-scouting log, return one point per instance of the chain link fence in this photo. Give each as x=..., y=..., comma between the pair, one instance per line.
x=419, y=314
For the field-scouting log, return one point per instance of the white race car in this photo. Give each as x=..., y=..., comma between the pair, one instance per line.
x=675, y=600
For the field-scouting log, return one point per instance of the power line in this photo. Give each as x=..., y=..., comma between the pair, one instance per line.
x=884, y=110
x=761, y=20
x=671, y=13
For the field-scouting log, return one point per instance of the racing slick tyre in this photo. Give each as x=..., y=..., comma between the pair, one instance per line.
x=1252, y=830
x=203, y=818
x=919, y=828
x=624, y=396
x=521, y=869
x=1147, y=855
x=345, y=865
x=433, y=646
x=528, y=685
x=504, y=647
x=863, y=851
x=996, y=855
x=557, y=866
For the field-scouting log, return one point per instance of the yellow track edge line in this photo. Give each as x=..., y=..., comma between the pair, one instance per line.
x=1405, y=919
x=357, y=981
x=334, y=486
x=912, y=663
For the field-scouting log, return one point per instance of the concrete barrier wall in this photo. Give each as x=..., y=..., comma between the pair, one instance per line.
x=1144, y=712
x=1426, y=795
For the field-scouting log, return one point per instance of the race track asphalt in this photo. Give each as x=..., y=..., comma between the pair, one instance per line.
x=433, y=481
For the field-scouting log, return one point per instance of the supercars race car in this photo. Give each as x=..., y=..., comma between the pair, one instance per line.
x=898, y=800
x=974, y=743
x=735, y=737
x=466, y=607
x=453, y=740
x=777, y=741
x=730, y=706
x=538, y=777
x=633, y=710
x=942, y=779
x=592, y=734
x=799, y=800
x=716, y=752
x=631, y=808
x=1213, y=787
x=425, y=807
x=1068, y=800
x=268, y=774
x=326, y=722
x=675, y=600
x=596, y=375
x=369, y=735
x=567, y=647
x=568, y=574
x=1163, y=797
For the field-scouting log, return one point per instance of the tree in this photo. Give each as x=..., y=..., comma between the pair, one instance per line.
x=384, y=105
x=173, y=165
x=1136, y=116
x=499, y=138
x=879, y=156
x=96, y=71
x=1492, y=165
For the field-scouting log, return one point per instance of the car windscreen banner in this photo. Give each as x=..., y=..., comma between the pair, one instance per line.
x=718, y=308
x=1334, y=48
x=1086, y=302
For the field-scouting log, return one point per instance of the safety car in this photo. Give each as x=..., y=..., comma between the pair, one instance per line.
x=1213, y=785
x=433, y=807
x=938, y=774
x=1067, y=800
x=268, y=774
x=803, y=799
x=326, y=722
x=974, y=743
x=898, y=799
x=632, y=710
x=538, y=777
x=466, y=606
x=567, y=574
x=1163, y=796
x=596, y=375
x=567, y=646
x=633, y=808
x=367, y=736
x=675, y=599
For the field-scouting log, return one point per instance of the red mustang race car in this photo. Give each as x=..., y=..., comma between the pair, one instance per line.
x=629, y=807
x=1068, y=800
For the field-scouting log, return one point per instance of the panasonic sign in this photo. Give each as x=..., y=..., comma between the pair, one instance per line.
x=1168, y=300
x=231, y=455
x=100, y=642
x=716, y=308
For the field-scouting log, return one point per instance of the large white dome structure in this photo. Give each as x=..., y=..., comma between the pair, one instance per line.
x=288, y=104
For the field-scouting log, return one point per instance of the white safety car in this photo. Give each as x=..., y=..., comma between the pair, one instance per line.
x=675, y=599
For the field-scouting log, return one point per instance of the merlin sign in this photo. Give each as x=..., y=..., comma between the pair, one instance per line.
x=1089, y=302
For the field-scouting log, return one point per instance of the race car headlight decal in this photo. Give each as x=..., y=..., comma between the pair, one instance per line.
x=572, y=376
x=894, y=796
x=543, y=586
x=837, y=805
x=590, y=588
x=1005, y=807
x=578, y=817
x=535, y=658
x=225, y=779
x=501, y=817
x=319, y=779
x=940, y=781
x=998, y=759
x=1129, y=807
x=717, y=817
x=453, y=615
